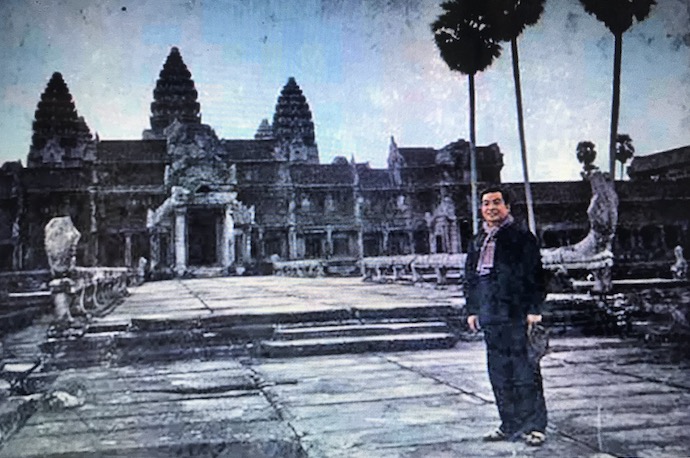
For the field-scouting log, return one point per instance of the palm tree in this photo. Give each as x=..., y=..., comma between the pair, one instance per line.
x=507, y=19
x=461, y=36
x=586, y=153
x=624, y=150
x=618, y=16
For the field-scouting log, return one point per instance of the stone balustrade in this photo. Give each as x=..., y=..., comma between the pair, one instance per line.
x=438, y=267
x=300, y=268
x=87, y=290
x=416, y=268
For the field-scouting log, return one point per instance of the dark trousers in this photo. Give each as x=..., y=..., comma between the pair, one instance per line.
x=515, y=379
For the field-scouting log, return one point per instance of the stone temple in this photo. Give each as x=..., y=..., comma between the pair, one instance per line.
x=191, y=203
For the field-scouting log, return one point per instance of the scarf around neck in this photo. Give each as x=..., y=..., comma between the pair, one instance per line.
x=486, y=254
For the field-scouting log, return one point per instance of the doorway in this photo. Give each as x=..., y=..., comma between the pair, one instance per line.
x=202, y=236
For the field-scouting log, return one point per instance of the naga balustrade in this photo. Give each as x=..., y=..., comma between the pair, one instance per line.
x=300, y=268
x=88, y=289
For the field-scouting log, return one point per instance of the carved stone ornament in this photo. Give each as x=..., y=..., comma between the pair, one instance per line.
x=61, y=238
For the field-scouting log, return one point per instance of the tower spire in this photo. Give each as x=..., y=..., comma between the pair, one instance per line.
x=293, y=126
x=175, y=96
x=60, y=135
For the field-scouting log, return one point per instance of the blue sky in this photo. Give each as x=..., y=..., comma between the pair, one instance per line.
x=369, y=69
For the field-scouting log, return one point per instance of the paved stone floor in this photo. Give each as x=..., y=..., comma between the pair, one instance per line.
x=202, y=297
x=606, y=396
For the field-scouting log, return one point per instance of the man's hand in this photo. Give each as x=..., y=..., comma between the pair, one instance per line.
x=532, y=320
x=473, y=323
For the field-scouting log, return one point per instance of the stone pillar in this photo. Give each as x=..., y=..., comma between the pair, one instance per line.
x=385, y=250
x=180, y=241
x=454, y=237
x=128, y=250
x=329, y=241
x=360, y=250
x=228, y=239
x=410, y=241
x=662, y=239
x=261, y=249
x=93, y=239
x=248, y=245
x=432, y=241
x=292, y=243
x=155, y=249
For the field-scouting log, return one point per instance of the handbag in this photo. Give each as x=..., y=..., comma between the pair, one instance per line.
x=537, y=341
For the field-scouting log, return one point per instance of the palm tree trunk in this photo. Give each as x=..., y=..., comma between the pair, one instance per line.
x=615, y=104
x=473, y=160
x=521, y=131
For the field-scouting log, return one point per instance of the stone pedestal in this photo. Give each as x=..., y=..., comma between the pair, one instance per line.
x=61, y=292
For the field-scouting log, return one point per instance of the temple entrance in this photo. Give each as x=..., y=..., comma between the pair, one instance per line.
x=202, y=236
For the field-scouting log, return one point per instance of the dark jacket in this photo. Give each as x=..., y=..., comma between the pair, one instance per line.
x=515, y=287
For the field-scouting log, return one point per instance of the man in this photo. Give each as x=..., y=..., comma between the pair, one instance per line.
x=504, y=291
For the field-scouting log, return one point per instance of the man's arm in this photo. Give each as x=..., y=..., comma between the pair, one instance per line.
x=535, y=282
x=470, y=284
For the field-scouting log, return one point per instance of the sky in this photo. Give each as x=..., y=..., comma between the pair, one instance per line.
x=369, y=69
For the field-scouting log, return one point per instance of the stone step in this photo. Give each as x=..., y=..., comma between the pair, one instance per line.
x=358, y=329
x=358, y=344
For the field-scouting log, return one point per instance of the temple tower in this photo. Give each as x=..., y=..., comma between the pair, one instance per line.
x=61, y=137
x=293, y=126
x=264, y=132
x=174, y=97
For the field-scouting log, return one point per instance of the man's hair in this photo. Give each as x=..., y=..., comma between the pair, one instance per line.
x=495, y=188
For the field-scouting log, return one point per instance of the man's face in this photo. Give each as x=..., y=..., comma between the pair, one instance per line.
x=494, y=208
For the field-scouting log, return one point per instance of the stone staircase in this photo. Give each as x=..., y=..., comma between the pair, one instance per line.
x=357, y=337
x=278, y=334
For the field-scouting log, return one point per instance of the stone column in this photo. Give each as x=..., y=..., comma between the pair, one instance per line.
x=662, y=240
x=261, y=249
x=155, y=249
x=128, y=250
x=93, y=233
x=292, y=243
x=329, y=241
x=248, y=244
x=228, y=239
x=180, y=241
x=432, y=241
x=410, y=241
x=385, y=250
x=454, y=237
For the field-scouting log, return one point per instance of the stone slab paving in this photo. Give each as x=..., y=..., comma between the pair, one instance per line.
x=438, y=403
x=606, y=397
x=205, y=296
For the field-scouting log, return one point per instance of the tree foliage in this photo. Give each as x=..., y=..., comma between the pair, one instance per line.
x=586, y=154
x=618, y=15
x=463, y=37
x=624, y=148
x=507, y=19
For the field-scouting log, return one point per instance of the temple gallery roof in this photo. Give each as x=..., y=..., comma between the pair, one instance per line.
x=131, y=151
x=418, y=157
x=658, y=161
x=249, y=150
x=322, y=174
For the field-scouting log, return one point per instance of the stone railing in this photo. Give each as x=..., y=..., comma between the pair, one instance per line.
x=415, y=268
x=300, y=268
x=442, y=267
x=88, y=290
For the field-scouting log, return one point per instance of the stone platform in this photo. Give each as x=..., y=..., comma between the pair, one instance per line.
x=606, y=397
